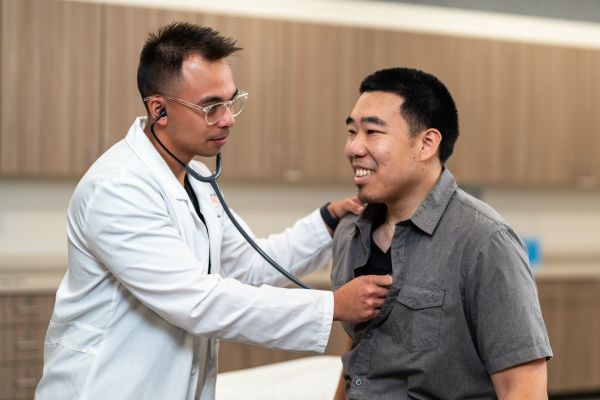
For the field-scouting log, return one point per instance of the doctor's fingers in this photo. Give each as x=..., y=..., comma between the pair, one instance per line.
x=376, y=285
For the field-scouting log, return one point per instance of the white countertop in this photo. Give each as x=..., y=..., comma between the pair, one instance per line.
x=39, y=273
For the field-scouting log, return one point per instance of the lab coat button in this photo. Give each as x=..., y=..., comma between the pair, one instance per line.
x=194, y=370
x=358, y=382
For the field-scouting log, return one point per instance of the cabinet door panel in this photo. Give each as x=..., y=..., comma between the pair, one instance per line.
x=126, y=31
x=590, y=104
x=19, y=382
x=25, y=309
x=21, y=82
x=51, y=85
x=22, y=343
x=257, y=142
x=570, y=310
x=326, y=65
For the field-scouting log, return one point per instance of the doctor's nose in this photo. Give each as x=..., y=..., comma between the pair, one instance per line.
x=227, y=120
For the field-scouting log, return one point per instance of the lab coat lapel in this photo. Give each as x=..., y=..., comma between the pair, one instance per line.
x=141, y=145
x=180, y=205
x=213, y=214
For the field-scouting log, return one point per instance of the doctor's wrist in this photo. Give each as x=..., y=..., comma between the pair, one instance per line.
x=330, y=220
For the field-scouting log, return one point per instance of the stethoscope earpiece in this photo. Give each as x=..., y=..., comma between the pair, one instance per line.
x=162, y=113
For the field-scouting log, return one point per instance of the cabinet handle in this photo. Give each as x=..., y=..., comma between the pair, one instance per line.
x=28, y=344
x=26, y=383
x=28, y=309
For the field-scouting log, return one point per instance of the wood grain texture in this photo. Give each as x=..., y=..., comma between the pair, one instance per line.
x=126, y=31
x=21, y=83
x=325, y=66
x=51, y=81
x=570, y=310
x=527, y=111
x=256, y=149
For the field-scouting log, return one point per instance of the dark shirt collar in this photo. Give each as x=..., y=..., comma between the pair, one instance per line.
x=426, y=217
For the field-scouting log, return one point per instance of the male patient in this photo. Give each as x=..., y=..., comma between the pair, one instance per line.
x=462, y=319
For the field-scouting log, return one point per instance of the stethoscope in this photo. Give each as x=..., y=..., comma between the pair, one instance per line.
x=212, y=180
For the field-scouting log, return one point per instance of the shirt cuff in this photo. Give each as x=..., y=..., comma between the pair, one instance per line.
x=324, y=332
x=320, y=232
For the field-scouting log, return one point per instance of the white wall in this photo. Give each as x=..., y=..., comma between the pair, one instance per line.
x=32, y=215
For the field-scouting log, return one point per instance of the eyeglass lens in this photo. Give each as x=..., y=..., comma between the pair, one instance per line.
x=215, y=114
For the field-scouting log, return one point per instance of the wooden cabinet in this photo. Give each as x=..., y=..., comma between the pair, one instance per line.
x=326, y=65
x=523, y=108
x=259, y=147
x=50, y=72
x=68, y=80
x=570, y=307
x=23, y=323
x=126, y=30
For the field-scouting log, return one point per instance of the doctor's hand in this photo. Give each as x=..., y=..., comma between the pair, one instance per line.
x=334, y=211
x=360, y=299
x=339, y=208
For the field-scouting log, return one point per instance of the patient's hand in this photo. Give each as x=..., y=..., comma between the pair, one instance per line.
x=360, y=299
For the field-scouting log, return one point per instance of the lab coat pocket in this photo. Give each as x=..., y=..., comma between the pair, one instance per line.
x=417, y=317
x=70, y=346
x=75, y=336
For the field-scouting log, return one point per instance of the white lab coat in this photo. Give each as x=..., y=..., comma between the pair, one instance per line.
x=137, y=316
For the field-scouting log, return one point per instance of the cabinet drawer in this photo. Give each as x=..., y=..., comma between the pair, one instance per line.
x=22, y=343
x=570, y=311
x=26, y=308
x=19, y=382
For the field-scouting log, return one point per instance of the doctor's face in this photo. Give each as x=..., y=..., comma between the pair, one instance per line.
x=202, y=83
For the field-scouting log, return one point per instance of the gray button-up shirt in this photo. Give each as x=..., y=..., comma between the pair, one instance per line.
x=463, y=304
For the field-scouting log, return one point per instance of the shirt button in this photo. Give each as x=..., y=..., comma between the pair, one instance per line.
x=358, y=382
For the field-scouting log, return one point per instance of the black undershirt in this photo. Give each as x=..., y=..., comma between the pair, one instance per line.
x=194, y=199
x=379, y=262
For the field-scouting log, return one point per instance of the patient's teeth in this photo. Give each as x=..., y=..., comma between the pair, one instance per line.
x=363, y=172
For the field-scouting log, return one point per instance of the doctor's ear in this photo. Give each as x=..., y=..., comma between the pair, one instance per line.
x=157, y=110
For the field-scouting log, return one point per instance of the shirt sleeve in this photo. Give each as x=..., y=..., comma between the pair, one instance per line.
x=502, y=305
x=300, y=249
x=127, y=229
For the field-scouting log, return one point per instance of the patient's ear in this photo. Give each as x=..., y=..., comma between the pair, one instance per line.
x=430, y=140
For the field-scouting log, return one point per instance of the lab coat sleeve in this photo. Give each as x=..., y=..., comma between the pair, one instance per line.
x=128, y=229
x=300, y=249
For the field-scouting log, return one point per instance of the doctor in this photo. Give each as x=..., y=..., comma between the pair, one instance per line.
x=157, y=273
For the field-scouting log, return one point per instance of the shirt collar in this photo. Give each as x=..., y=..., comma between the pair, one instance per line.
x=430, y=211
x=426, y=217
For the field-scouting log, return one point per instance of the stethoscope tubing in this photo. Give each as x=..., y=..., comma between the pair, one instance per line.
x=212, y=180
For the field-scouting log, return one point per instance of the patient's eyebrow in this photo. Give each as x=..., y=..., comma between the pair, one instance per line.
x=373, y=120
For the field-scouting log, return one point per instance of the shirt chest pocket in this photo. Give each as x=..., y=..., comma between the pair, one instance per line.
x=416, y=317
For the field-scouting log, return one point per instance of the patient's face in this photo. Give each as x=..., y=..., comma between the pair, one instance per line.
x=380, y=148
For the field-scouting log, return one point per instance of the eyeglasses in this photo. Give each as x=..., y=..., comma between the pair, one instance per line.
x=213, y=113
